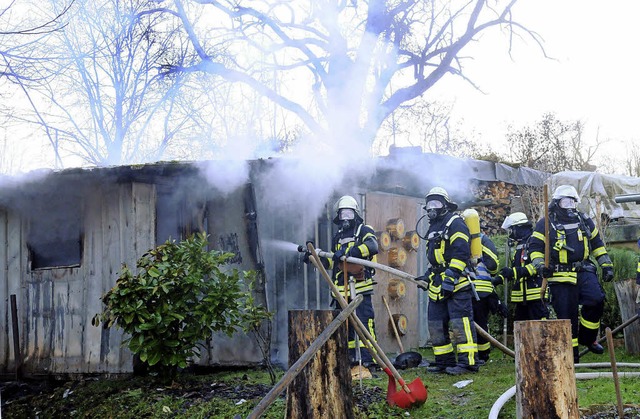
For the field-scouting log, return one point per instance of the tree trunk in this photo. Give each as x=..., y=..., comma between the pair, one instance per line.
x=323, y=388
x=626, y=292
x=545, y=375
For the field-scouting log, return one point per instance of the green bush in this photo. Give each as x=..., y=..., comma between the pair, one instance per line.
x=179, y=296
x=625, y=262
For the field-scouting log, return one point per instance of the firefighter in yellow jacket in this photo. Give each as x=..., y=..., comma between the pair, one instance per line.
x=354, y=239
x=450, y=307
x=576, y=293
x=526, y=282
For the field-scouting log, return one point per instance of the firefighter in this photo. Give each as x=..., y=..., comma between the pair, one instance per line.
x=574, y=242
x=488, y=301
x=450, y=308
x=526, y=282
x=354, y=239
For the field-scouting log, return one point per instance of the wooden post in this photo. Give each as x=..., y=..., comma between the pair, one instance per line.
x=626, y=292
x=545, y=375
x=323, y=388
x=16, y=337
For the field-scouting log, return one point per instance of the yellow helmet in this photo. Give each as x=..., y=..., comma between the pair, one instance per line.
x=515, y=219
x=346, y=202
x=563, y=191
x=441, y=192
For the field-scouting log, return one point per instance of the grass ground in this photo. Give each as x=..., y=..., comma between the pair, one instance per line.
x=226, y=394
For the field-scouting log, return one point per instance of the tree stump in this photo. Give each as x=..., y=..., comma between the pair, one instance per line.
x=323, y=388
x=626, y=292
x=545, y=375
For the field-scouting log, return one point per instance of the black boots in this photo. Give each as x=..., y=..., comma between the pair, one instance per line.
x=596, y=348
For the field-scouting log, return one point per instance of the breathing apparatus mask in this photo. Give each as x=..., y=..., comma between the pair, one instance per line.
x=347, y=217
x=519, y=233
x=565, y=207
x=435, y=208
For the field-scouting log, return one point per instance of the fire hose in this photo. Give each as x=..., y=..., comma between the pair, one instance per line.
x=411, y=278
x=410, y=394
x=369, y=264
x=504, y=397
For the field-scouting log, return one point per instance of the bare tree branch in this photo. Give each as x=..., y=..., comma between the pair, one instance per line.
x=353, y=52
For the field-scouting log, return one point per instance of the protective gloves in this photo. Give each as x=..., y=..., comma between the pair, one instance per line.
x=307, y=254
x=607, y=274
x=546, y=271
x=448, y=283
x=507, y=273
x=516, y=272
x=337, y=255
x=423, y=280
x=498, y=280
x=496, y=306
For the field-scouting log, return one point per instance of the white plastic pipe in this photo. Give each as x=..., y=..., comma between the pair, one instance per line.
x=504, y=397
x=502, y=400
x=607, y=365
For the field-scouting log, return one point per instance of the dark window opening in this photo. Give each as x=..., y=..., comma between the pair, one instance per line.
x=177, y=215
x=55, y=235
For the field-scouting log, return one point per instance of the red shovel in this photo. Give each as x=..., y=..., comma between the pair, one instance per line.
x=409, y=395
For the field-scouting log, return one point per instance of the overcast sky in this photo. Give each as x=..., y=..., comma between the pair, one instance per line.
x=593, y=76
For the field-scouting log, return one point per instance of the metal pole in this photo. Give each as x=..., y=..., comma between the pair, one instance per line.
x=505, y=285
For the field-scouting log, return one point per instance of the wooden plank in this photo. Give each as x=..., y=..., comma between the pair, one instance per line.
x=95, y=285
x=15, y=261
x=626, y=291
x=68, y=309
x=111, y=254
x=5, y=315
x=143, y=219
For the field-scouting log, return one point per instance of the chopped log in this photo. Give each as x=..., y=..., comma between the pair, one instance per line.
x=545, y=375
x=396, y=288
x=323, y=389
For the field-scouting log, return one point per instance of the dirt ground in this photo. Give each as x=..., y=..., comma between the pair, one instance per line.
x=36, y=398
x=39, y=395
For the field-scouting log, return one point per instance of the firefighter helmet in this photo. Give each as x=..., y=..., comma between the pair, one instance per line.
x=515, y=219
x=563, y=191
x=346, y=202
x=441, y=192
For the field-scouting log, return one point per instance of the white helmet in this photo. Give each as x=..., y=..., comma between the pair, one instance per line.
x=515, y=219
x=438, y=191
x=347, y=202
x=563, y=191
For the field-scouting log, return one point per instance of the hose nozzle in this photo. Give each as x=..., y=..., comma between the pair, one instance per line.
x=302, y=249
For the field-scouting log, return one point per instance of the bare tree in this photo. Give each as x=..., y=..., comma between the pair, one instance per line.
x=552, y=145
x=100, y=94
x=632, y=159
x=345, y=55
x=20, y=32
x=427, y=125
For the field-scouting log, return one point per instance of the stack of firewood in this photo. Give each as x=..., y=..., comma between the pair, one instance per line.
x=497, y=199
